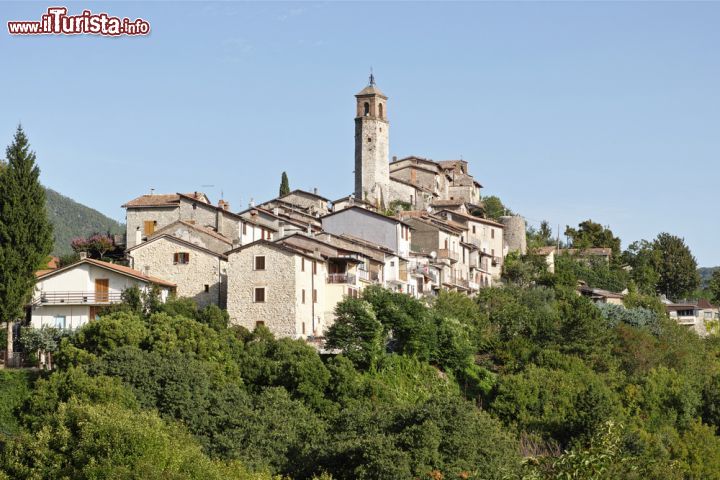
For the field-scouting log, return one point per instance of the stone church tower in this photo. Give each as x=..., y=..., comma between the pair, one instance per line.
x=372, y=168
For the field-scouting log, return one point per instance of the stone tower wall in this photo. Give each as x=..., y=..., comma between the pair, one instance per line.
x=514, y=234
x=372, y=168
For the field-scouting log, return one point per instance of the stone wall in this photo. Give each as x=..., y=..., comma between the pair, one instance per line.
x=372, y=169
x=279, y=311
x=198, y=238
x=515, y=234
x=135, y=219
x=156, y=258
x=200, y=213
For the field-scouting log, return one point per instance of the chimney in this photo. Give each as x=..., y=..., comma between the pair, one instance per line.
x=315, y=190
x=152, y=191
x=138, y=236
x=83, y=255
x=309, y=229
x=223, y=204
x=281, y=230
x=394, y=158
x=252, y=203
x=276, y=211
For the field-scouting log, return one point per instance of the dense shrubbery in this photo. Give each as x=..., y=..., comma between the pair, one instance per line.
x=520, y=382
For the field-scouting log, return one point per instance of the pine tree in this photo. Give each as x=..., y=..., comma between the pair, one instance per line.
x=284, y=185
x=25, y=231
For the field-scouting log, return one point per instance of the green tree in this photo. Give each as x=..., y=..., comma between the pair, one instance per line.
x=676, y=267
x=84, y=442
x=357, y=332
x=590, y=234
x=714, y=286
x=284, y=185
x=25, y=232
x=643, y=259
x=494, y=208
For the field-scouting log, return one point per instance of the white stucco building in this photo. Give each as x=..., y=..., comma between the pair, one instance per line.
x=71, y=296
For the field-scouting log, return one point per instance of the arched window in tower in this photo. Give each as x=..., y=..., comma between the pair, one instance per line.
x=367, y=109
x=380, y=106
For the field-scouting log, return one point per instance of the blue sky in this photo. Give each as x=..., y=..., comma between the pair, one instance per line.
x=567, y=111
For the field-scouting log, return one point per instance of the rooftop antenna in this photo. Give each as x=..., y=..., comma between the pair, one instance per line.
x=372, y=77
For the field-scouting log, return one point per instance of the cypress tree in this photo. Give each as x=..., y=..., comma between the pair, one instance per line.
x=25, y=231
x=284, y=185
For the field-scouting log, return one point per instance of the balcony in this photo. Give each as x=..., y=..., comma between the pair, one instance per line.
x=341, y=278
x=451, y=255
x=77, y=298
x=425, y=271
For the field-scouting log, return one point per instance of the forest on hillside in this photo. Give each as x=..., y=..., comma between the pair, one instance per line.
x=71, y=219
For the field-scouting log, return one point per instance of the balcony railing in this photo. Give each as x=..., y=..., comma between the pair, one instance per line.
x=77, y=298
x=341, y=278
x=451, y=255
x=424, y=270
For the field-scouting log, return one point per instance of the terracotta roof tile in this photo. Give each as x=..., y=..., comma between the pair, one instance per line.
x=110, y=266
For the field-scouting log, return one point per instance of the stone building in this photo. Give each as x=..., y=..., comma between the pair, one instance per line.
x=488, y=236
x=293, y=284
x=148, y=213
x=372, y=130
x=274, y=285
x=199, y=272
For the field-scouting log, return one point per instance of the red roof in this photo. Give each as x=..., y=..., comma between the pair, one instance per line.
x=110, y=266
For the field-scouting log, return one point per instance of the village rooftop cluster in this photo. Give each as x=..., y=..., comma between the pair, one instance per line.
x=413, y=225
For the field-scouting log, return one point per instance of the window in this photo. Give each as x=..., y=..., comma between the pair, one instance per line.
x=259, y=323
x=260, y=262
x=259, y=295
x=60, y=322
x=149, y=226
x=244, y=228
x=473, y=228
x=314, y=267
x=207, y=288
x=392, y=263
x=182, y=258
x=303, y=328
x=492, y=233
x=369, y=140
x=303, y=296
x=380, y=107
x=366, y=109
x=314, y=295
x=302, y=264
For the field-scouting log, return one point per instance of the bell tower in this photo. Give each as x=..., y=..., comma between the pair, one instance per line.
x=372, y=129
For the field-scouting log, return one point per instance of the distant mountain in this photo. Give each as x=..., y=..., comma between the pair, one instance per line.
x=71, y=219
x=705, y=274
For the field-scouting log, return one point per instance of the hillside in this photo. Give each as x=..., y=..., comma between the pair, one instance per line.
x=705, y=275
x=71, y=219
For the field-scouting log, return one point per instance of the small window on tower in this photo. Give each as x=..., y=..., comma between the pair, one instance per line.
x=369, y=139
x=380, y=106
x=366, y=112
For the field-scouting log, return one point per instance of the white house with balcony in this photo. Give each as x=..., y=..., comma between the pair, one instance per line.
x=71, y=296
